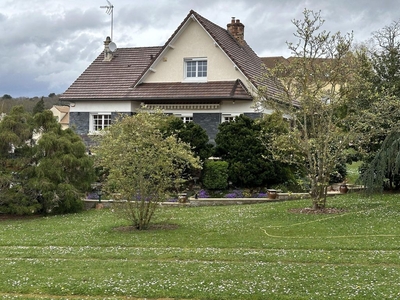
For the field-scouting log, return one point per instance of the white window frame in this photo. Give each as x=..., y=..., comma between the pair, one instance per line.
x=186, y=118
x=95, y=128
x=228, y=117
x=198, y=74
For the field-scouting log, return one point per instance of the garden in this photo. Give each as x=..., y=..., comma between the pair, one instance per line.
x=259, y=251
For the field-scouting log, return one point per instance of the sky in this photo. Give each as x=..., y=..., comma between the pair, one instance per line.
x=46, y=44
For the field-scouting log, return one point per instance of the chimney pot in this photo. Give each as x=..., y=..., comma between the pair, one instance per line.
x=108, y=56
x=236, y=29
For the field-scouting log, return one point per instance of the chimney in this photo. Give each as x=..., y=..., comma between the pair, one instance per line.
x=236, y=29
x=108, y=55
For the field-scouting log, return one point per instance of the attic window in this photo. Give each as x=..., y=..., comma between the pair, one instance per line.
x=195, y=69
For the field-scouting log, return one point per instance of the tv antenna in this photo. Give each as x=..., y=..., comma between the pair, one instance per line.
x=110, y=11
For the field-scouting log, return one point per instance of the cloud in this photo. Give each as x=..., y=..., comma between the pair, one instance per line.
x=46, y=44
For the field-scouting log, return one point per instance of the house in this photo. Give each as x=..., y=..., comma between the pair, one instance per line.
x=204, y=74
x=62, y=115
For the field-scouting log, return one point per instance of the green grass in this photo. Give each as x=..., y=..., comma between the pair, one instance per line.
x=259, y=251
x=352, y=172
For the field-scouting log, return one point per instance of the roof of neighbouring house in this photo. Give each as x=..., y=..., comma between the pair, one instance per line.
x=63, y=109
x=272, y=61
x=120, y=78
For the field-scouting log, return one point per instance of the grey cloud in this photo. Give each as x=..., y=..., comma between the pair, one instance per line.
x=46, y=44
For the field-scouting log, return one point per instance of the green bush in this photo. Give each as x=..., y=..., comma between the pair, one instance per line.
x=215, y=175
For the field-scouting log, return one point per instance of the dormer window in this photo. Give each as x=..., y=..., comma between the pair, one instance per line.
x=196, y=69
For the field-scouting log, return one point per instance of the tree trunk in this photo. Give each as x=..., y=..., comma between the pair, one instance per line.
x=319, y=197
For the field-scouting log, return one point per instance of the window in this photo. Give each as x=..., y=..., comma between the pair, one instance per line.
x=101, y=122
x=196, y=68
x=229, y=118
x=187, y=119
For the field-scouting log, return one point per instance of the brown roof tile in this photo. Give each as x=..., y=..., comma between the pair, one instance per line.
x=271, y=61
x=111, y=79
x=186, y=91
x=115, y=79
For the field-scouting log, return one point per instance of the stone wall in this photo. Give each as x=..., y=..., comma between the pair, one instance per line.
x=79, y=121
x=209, y=122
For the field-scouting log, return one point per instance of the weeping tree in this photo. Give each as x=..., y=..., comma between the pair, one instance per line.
x=385, y=165
x=144, y=166
x=313, y=98
x=379, y=83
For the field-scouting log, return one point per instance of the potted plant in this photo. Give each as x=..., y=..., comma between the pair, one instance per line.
x=343, y=188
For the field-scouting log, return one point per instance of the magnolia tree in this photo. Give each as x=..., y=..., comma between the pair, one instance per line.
x=144, y=166
x=313, y=97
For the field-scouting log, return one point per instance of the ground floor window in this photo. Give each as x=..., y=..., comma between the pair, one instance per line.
x=101, y=121
x=187, y=119
x=228, y=118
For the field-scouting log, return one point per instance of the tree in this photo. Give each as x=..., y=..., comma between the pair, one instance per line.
x=250, y=163
x=380, y=84
x=39, y=107
x=143, y=165
x=313, y=96
x=386, y=58
x=50, y=175
x=190, y=133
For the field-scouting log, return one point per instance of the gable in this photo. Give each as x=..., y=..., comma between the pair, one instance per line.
x=228, y=59
x=193, y=42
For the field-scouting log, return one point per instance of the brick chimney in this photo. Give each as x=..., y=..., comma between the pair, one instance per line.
x=236, y=29
x=108, y=55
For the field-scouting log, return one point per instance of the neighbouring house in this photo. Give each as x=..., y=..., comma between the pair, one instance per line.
x=204, y=74
x=62, y=115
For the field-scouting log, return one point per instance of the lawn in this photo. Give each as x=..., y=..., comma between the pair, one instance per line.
x=353, y=172
x=260, y=251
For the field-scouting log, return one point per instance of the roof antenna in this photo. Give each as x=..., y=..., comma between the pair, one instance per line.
x=110, y=11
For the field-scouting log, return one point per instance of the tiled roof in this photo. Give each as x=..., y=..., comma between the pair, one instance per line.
x=111, y=79
x=271, y=61
x=62, y=108
x=241, y=54
x=120, y=77
x=185, y=91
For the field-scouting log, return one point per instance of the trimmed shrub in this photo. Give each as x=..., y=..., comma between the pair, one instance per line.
x=215, y=175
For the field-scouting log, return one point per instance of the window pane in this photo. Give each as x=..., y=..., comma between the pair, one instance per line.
x=191, y=69
x=96, y=122
x=107, y=121
x=202, y=68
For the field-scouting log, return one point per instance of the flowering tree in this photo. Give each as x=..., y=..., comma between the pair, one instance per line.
x=143, y=164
